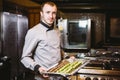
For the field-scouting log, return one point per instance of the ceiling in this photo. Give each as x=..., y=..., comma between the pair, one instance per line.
x=26, y=3
x=75, y=5
x=78, y=1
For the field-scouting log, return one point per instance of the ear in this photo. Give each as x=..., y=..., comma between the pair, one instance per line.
x=41, y=13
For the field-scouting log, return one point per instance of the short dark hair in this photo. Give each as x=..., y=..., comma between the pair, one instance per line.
x=49, y=3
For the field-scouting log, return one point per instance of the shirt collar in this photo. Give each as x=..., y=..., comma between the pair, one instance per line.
x=49, y=28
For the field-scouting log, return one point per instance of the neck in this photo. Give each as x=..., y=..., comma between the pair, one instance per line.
x=47, y=23
x=47, y=26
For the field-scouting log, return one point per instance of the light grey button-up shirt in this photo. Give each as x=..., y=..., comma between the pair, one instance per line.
x=44, y=45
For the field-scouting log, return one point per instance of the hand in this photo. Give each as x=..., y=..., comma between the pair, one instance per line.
x=42, y=70
x=71, y=59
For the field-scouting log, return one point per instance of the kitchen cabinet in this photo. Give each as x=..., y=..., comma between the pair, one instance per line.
x=34, y=17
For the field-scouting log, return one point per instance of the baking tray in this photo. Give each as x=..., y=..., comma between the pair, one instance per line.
x=70, y=67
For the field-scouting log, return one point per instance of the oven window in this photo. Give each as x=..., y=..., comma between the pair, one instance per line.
x=77, y=33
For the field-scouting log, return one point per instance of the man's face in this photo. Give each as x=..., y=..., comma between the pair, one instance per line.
x=48, y=15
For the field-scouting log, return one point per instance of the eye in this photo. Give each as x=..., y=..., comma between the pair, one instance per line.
x=54, y=13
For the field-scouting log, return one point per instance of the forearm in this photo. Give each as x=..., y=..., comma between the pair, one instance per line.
x=28, y=62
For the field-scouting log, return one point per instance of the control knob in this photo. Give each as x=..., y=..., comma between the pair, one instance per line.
x=87, y=78
x=95, y=78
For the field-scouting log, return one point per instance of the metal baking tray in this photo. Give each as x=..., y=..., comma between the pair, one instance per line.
x=67, y=67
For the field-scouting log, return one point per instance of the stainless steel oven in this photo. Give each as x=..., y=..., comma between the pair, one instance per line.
x=76, y=33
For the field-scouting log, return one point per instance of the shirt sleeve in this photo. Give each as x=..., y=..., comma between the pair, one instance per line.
x=28, y=51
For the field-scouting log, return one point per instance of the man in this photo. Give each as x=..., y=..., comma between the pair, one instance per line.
x=42, y=43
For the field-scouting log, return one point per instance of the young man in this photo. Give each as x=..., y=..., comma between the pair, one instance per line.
x=42, y=43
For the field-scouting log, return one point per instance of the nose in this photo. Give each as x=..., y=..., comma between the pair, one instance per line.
x=51, y=15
